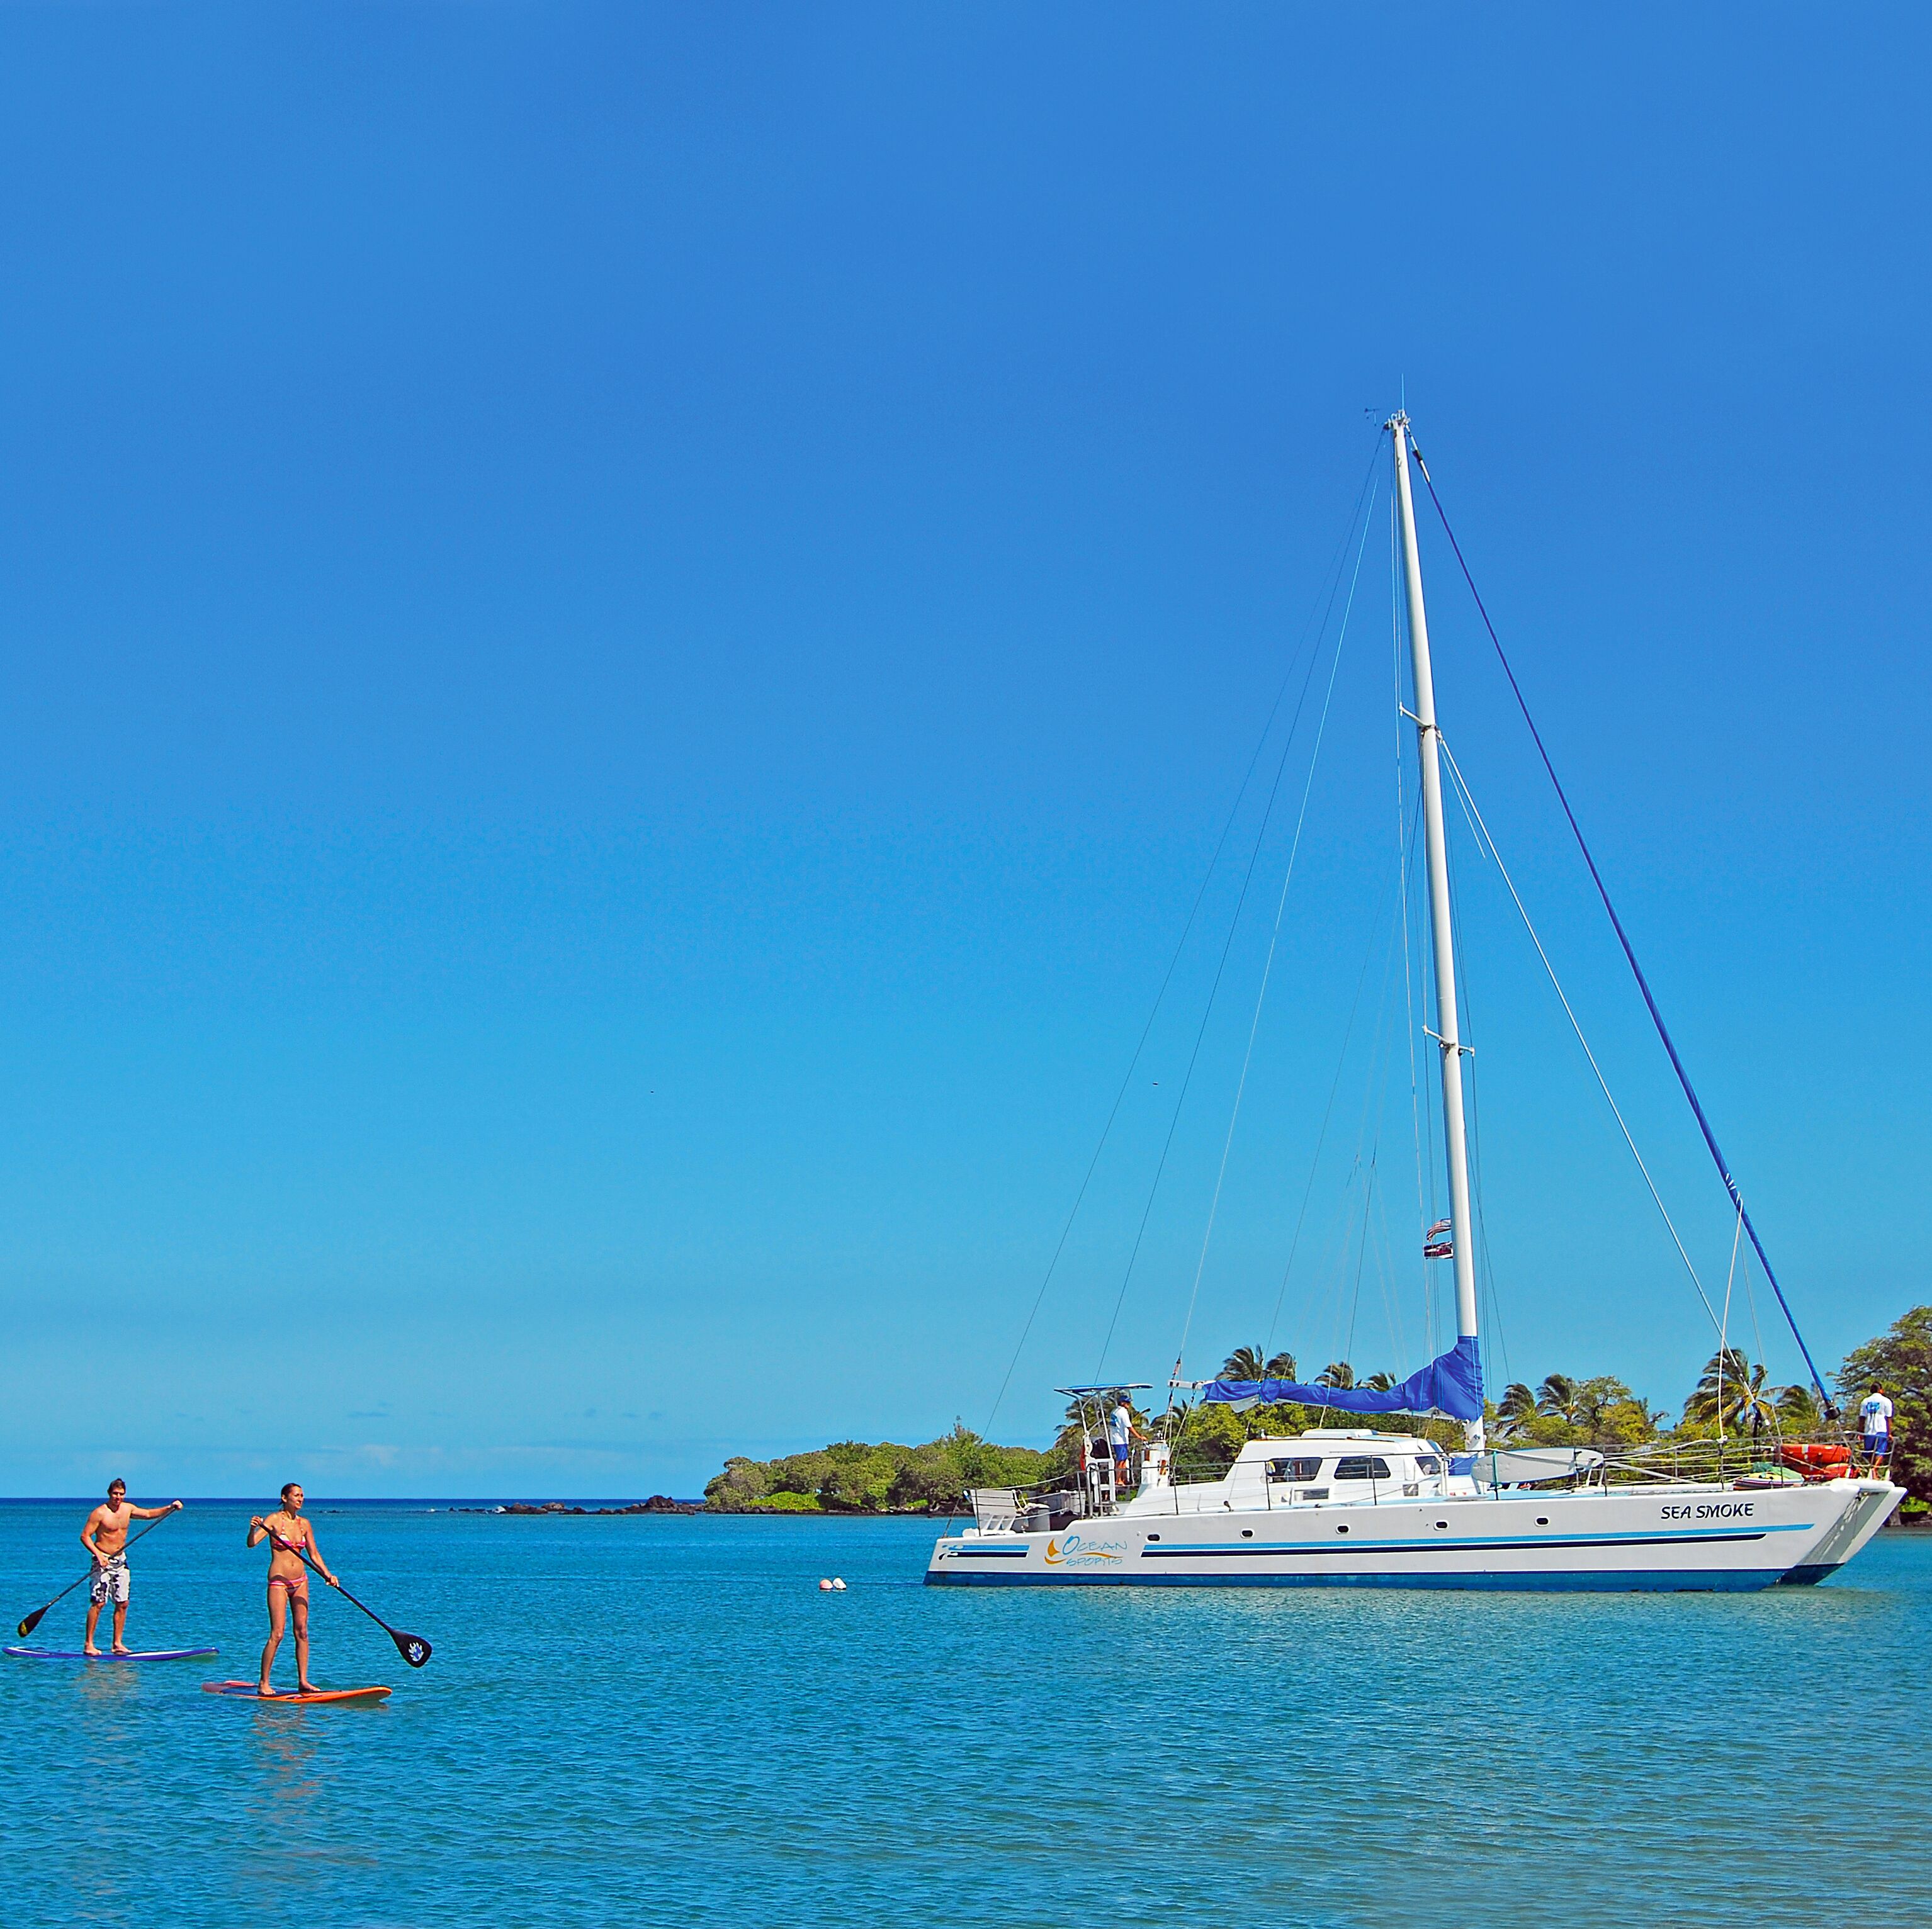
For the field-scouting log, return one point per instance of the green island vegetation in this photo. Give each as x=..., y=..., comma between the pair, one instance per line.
x=850, y=1477
x=1732, y=1396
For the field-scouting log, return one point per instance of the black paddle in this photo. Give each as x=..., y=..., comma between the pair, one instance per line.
x=33, y=1620
x=412, y=1648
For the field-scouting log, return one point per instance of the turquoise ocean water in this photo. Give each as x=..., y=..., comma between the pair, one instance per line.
x=662, y=1720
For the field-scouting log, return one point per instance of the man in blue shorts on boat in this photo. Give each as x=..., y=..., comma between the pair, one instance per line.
x=1121, y=1435
x=105, y=1537
x=1875, y=1413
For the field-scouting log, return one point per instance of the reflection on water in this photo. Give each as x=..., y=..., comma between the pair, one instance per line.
x=105, y=1685
x=286, y=1757
x=648, y=1720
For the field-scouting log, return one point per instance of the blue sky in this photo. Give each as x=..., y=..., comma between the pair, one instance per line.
x=626, y=632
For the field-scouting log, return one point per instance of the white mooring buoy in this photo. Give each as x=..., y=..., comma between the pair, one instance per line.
x=838, y=1586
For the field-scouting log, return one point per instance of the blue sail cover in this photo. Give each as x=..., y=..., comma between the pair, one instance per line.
x=1452, y=1383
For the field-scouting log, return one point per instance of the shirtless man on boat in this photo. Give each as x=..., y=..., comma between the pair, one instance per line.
x=290, y=1537
x=105, y=1537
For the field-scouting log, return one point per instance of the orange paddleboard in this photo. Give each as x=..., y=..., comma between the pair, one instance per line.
x=247, y=1690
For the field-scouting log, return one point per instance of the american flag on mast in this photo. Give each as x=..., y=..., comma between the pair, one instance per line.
x=1434, y=1245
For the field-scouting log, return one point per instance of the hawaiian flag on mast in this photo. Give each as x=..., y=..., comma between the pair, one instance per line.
x=1434, y=1246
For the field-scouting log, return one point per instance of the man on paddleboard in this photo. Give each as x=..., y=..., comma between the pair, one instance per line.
x=290, y=1537
x=105, y=1537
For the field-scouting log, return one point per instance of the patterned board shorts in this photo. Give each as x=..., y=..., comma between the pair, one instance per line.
x=109, y=1581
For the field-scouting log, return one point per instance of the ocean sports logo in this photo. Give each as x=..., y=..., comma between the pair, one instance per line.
x=1071, y=1550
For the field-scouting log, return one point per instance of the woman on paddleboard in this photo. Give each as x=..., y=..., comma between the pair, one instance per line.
x=290, y=1537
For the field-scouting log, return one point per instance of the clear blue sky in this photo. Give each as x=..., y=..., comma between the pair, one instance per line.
x=626, y=630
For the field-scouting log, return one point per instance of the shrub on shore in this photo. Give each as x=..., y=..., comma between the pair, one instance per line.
x=854, y=1477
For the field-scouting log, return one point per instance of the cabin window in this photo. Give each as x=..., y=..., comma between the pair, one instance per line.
x=1286, y=1470
x=1362, y=1467
x=1425, y=1464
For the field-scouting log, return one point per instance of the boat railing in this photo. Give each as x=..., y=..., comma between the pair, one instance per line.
x=1192, y=1471
x=1765, y=1458
x=1037, y=1505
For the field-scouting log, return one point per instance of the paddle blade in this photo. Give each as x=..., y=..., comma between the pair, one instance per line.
x=32, y=1621
x=412, y=1648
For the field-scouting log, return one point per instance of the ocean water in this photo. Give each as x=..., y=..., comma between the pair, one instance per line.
x=661, y=1721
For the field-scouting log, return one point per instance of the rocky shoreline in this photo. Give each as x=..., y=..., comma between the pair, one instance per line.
x=658, y=1503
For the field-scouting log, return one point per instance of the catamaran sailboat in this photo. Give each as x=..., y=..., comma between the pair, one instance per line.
x=1352, y=1505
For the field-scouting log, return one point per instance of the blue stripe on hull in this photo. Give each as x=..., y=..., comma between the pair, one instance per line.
x=1744, y=1580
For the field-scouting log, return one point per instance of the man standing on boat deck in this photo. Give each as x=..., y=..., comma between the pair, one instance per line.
x=105, y=1537
x=1876, y=1413
x=1121, y=1435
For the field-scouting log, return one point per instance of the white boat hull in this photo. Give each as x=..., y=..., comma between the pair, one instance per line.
x=1679, y=1538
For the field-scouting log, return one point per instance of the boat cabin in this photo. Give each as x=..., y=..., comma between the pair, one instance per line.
x=1336, y=1465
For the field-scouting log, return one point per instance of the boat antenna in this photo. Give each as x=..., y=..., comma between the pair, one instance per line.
x=1630, y=953
x=1435, y=853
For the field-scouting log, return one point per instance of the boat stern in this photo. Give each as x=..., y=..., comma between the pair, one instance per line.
x=1868, y=1506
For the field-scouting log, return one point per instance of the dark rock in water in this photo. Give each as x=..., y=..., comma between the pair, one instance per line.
x=658, y=1503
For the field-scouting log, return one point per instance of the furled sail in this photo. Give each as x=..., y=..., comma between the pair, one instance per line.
x=1452, y=1383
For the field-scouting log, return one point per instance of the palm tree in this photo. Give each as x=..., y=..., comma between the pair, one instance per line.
x=1337, y=1374
x=1798, y=1409
x=1757, y=1403
x=1247, y=1363
x=1380, y=1382
x=1516, y=1408
x=1557, y=1396
x=1732, y=1394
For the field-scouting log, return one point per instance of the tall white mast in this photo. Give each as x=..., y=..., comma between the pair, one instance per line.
x=1449, y=1038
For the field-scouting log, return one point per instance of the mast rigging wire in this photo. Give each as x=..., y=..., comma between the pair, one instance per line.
x=1274, y=939
x=1200, y=1034
x=1368, y=1144
x=1723, y=1331
x=1328, y=1114
x=1630, y=953
x=1364, y=500
x=1487, y=843
x=1167, y=977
